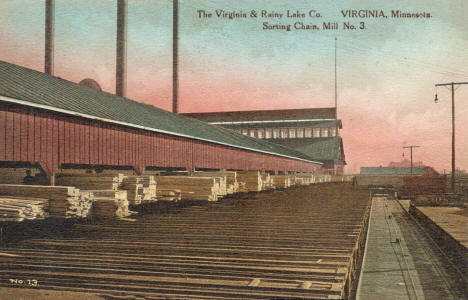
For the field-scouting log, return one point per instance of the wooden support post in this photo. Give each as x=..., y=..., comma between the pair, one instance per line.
x=139, y=170
x=48, y=172
x=190, y=170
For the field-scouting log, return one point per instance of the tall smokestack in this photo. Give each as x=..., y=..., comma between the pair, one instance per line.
x=121, y=63
x=175, y=57
x=49, y=37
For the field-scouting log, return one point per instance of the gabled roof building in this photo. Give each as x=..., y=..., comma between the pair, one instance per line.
x=313, y=132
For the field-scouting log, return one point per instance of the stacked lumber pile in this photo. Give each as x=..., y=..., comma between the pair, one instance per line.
x=154, y=172
x=72, y=206
x=342, y=178
x=75, y=172
x=139, y=189
x=64, y=201
x=242, y=187
x=110, y=203
x=349, y=178
x=232, y=185
x=267, y=182
x=304, y=178
x=110, y=208
x=17, y=175
x=292, y=179
x=251, y=181
x=12, y=175
x=168, y=195
x=191, y=187
x=282, y=181
x=219, y=179
x=107, y=172
x=94, y=172
x=90, y=181
x=298, y=180
x=19, y=209
x=115, y=194
x=320, y=178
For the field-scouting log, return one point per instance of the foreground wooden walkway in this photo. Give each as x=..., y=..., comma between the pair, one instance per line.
x=453, y=220
x=298, y=243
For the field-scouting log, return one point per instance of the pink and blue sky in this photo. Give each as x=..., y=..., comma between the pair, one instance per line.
x=386, y=74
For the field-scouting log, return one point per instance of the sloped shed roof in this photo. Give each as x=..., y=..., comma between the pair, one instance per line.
x=321, y=149
x=393, y=170
x=266, y=115
x=32, y=88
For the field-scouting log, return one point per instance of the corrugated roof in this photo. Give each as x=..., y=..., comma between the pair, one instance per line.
x=392, y=170
x=265, y=115
x=38, y=89
x=286, y=124
x=321, y=149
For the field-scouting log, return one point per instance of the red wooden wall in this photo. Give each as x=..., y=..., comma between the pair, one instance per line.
x=38, y=136
x=423, y=185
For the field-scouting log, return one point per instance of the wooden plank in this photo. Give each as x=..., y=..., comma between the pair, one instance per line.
x=23, y=156
x=31, y=136
x=61, y=140
x=54, y=127
x=3, y=139
x=9, y=131
x=16, y=133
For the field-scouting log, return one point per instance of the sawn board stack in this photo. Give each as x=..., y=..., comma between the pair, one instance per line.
x=251, y=181
x=90, y=181
x=281, y=181
x=303, y=178
x=220, y=181
x=110, y=203
x=267, y=182
x=71, y=206
x=230, y=177
x=168, y=195
x=19, y=209
x=191, y=187
x=64, y=201
x=139, y=189
x=14, y=175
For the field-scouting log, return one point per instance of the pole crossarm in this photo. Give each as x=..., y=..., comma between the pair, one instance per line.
x=454, y=83
x=452, y=88
x=411, y=151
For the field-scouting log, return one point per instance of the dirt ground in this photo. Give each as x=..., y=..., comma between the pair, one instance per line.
x=38, y=294
x=462, y=212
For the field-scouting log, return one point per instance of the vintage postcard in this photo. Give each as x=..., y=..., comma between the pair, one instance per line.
x=251, y=149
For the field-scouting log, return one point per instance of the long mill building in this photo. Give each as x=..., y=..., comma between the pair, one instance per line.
x=52, y=122
x=314, y=132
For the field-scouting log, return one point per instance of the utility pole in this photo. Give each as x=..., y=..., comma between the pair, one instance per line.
x=452, y=85
x=336, y=93
x=121, y=49
x=175, y=56
x=49, y=37
x=411, y=151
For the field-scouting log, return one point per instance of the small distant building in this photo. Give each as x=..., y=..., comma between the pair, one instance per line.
x=405, y=163
x=314, y=131
x=398, y=171
x=397, y=177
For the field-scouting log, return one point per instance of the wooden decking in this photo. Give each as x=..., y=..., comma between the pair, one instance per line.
x=296, y=243
x=453, y=220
